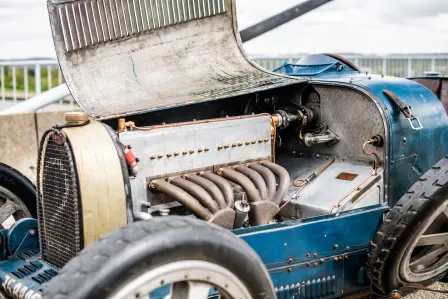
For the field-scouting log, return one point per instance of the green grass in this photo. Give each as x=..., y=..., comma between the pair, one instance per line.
x=20, y=80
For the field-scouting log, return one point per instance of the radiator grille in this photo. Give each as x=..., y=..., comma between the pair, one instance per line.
x=59, y=205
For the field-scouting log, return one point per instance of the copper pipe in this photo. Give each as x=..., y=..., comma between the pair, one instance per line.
x=181, y=196
x=284, y=180
x=256, y=178
x=377, y=159
x=197, y=192
x=269, y=178
x=251, y=191
x=211, y=188
x=223, y=185
x=133, y=126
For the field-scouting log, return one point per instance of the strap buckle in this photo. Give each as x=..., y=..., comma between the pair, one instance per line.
x=411, y=119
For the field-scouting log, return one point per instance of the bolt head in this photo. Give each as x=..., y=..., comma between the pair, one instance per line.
x=33, y=232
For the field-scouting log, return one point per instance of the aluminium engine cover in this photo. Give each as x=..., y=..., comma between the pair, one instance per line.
x=133, y=56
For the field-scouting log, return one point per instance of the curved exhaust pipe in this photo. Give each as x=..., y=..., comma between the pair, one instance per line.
x=256, y=178
x=283, y=177
x=197, y=192
x=269, y=178
x=211, y=188
x=223, y=185
x=181, y=196
x=251, y=191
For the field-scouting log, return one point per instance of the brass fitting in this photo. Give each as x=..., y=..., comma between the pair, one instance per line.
x=76, y=117
x=123, y=124
x=275, y=120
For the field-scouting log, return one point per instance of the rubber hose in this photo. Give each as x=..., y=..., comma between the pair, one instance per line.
x=197, y=192
x=256, y=178
x=283, y=180
x=211, y=188
x=269, y=178
x=251, y=191
x=223, y=185
x=183, y=197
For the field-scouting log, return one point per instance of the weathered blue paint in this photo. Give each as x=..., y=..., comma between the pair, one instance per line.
x=21, y=268
x=411, y=153
x=300, y=251
x=21, y=235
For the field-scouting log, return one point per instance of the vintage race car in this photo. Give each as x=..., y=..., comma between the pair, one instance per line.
x=193, y=173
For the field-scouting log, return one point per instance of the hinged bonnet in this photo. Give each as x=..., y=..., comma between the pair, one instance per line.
x=122, y=57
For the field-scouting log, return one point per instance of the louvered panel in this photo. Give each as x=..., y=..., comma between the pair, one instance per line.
x=90, y=23
x=316, y=288
x=65, y=28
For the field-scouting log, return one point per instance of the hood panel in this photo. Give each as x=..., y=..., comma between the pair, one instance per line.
x=126, y=57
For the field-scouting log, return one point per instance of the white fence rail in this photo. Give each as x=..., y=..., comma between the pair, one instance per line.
x=392, y=65
x=22, y=79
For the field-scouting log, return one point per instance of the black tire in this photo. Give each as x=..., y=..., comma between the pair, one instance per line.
x=398, y=229
x=109, y=263
x=20, y=186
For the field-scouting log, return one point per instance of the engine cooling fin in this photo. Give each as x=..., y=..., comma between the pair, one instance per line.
x=59, y=203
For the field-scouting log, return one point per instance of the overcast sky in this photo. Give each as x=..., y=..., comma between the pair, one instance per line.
x=342, y=26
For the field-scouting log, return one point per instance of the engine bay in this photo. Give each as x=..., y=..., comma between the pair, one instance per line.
x=292, y=153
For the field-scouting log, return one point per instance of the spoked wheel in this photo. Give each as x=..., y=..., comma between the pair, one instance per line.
x=165, y=258
x=186, y=280
x=17, y=197
x=11, y=208
x=427, y=255
x=411, y=245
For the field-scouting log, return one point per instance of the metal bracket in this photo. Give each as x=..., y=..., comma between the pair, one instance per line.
x=329, y=137
x=404, y=108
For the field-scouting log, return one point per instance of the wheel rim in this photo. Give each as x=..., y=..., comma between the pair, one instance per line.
x=186, y=280
x=427, y=255
x=11, y=208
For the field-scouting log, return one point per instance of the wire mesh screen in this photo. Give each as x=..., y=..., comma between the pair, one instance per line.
x=59, y=205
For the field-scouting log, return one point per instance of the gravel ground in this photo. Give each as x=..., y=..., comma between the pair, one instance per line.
x=430, y=295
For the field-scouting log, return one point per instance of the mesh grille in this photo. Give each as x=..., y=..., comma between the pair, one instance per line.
x=59, y=205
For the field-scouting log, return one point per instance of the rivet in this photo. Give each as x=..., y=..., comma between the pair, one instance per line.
x=266, y=140
x=169, y=155
x=206, y=149
x=321, y=261
x=184, y=153
x=308, y=264
x=316, y=264
x=191, y=152
x=159, y=156
x=247, y=142
x=316, y=255
x=335, y=246
x=253, y=142
x=240, y=144
x=335, y=259
x=290, y=260
x=289, y=270
x=219, y=147
x=200, y=150
x=176, y=154
x=233, y=144
x=260, y=140
x=308, y=254
x=152, y=157
x=226, y=146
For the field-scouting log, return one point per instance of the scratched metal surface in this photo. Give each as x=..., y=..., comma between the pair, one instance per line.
x=152, y=54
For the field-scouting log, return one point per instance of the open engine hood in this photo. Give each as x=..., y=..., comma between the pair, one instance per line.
x=124, y=57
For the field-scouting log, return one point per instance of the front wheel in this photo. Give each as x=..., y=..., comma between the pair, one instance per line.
x=411, y=246
x=167, y=257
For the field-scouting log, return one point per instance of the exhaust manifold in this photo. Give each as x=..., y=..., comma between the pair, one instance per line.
x=210, y=196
